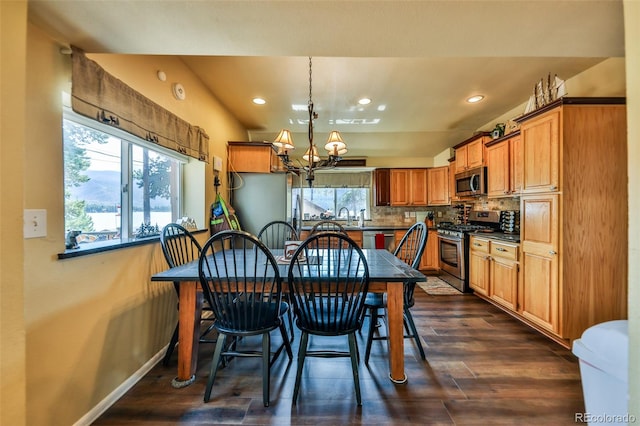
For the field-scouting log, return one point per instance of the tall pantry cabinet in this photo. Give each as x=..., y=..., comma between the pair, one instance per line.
x=573, y=213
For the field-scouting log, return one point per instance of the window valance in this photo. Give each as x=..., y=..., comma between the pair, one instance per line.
x=336, y=180
x=97, y=94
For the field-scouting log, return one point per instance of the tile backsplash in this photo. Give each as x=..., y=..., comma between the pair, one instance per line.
x=382, y=216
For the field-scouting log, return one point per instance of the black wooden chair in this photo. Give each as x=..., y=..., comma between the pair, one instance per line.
x=410, y=250
x=179, y=246
x=327, y=225
x=328, y=287
x=241, y=282
x=275, y=233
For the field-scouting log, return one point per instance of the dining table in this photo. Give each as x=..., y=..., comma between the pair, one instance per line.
x=387, y=273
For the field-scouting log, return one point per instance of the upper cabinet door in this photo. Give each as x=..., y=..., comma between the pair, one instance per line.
x=400, y=188
x=498, y=184
x=475, y=153
x=541, y=153
x=438, y=189
x=382, y=186
x=461, y=158
x=418, y=195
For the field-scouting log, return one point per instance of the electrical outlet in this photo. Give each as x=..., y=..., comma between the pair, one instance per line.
x=35, y=223
x=439, y=214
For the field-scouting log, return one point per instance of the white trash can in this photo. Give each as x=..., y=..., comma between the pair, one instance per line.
x=603, y=351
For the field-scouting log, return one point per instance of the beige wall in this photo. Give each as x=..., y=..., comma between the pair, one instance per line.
x=13, y=34
x=632, y=42
x=91, y=322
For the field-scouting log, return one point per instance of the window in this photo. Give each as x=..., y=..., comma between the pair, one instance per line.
x=332, y=193
x=116, y=186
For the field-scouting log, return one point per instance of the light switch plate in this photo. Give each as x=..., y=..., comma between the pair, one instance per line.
x=35, y=223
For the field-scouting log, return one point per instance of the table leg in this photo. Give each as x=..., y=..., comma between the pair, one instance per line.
x=395, y=331
x=190, y=309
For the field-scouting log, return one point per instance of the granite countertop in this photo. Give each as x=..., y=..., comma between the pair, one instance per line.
x=367, y=227
x=503, y=236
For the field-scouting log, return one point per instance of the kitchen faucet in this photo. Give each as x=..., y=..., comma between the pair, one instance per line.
x=348, y=214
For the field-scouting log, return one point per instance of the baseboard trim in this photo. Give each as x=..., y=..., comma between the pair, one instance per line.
x=106, y=403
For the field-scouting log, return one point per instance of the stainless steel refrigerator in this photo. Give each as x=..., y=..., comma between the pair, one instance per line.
x=259, y=198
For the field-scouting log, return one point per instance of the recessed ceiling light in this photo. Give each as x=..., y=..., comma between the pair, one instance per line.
x=382, y=107
x=259, y=101
x=474, y=99
x=364, y=101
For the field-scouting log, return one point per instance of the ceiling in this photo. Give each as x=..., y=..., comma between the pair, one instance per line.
x=420, y=59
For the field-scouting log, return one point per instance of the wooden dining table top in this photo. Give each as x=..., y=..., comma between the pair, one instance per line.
x=383, y=267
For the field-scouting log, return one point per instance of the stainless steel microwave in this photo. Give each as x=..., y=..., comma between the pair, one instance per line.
x=472, y=183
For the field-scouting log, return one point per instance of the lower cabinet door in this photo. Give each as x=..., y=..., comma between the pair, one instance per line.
x=540, y=291
x=479, y=272
x=504, y=282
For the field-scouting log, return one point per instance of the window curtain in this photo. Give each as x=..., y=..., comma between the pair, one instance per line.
x=336, y=180
x=97, y=94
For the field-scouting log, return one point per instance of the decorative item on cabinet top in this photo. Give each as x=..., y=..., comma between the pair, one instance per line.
x=545, y=93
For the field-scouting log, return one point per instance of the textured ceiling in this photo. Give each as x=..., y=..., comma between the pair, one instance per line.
x=420, y=59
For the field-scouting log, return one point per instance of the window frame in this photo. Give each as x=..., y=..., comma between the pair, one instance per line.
x=128, y=141
x=354, y=214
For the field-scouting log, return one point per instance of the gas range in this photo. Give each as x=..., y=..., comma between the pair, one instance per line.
x=458, y=230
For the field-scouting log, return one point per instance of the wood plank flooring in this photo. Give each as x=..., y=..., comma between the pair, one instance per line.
x=483, y=367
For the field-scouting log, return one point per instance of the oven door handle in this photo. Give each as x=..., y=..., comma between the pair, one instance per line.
x=453, y=240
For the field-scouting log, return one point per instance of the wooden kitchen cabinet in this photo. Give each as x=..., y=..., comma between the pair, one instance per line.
x=356, y=236
x=540, y=237
x=382, y=187
x=452, y=182
x=253, y=157
x=541, y=153
x=430, y=258
x=438, y=186
x=504, y=167
x=573, y=216
x=429, y=261
x=479, y=265
x=493, y=270
x=470, y=153
x=503, y=273
x=408, y=187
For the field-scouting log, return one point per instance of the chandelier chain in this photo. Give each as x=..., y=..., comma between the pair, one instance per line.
x=311, y=157
x=310, y=101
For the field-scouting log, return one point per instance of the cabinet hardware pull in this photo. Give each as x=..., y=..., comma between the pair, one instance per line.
x=505, y=192
x=553, y=187
x=553, y=252
x=477, y=245
x=500, y=249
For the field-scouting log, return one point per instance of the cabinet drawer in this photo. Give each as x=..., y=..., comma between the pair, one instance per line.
x=478, y=244
x=503, y=250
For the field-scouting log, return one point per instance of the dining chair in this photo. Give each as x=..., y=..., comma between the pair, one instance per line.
x=179, y=246
x=275, y=233
x=327, y=225
x=409, y=250
x=328, y=280
x=241, y=281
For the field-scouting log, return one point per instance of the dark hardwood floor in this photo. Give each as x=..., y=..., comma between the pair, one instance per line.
x=483, y=367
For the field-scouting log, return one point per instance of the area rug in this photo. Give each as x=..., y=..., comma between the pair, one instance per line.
x=436, y=287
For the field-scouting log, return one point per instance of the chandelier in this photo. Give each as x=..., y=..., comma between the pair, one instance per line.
x=335, y=147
